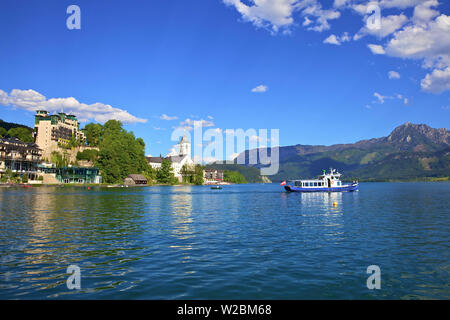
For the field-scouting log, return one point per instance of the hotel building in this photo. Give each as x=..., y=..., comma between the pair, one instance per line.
x=55, y=129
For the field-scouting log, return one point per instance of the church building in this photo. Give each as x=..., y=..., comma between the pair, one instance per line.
x=179, y=157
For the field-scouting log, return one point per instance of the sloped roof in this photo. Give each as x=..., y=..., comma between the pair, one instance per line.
x=154, y=159
x=176, y=158
x=137, y=177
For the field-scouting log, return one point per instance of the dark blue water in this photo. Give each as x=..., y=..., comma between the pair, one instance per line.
x=242, y=242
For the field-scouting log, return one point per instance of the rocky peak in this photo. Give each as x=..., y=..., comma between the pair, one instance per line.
x=410, y=135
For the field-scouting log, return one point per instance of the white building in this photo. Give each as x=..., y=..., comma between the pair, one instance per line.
x=179, y=157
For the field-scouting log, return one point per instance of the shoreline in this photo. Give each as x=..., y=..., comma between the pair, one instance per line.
x=62, y=185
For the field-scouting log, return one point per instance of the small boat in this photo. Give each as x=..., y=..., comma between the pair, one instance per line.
x=216, y=187
x=327, y=182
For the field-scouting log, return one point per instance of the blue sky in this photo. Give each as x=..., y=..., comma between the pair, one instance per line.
x=200, y=60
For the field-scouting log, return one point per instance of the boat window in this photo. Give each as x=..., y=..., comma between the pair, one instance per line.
x=315, y=184
x=306, y=184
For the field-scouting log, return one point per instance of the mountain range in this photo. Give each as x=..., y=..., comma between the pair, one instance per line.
x=409, y=152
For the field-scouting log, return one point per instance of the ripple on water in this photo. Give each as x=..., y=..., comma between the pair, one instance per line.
x=246, y=242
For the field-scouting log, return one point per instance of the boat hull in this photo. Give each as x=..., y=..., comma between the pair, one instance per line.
x=345, y=188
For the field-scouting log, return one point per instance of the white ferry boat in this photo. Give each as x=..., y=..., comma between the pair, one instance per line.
x=327, y=182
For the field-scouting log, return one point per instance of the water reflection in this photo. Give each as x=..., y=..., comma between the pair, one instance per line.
x=329, y=202
x=322, y=214
x=182, y=221
x=46, y=229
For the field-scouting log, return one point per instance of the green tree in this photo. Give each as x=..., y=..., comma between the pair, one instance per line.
x=165, y=173
x=187, y=174
x=233, y=177
x=25, y=178
x=59, y=160
x=23, y=134
x=3, y=132
x=10, y=176
x=198, y=174
x=93, y=132
x=88, y=155
x=73, y=142
x=120, y=154
x=7, y=176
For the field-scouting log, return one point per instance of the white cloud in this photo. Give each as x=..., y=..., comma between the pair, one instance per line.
x=436, y=82
x=31, y=100
x=388, y=25
x=260, y=89
x=340, y=3
x=332, y=39
x=423, y=12
x=423, y=36
x=306, y=22
x=188, y=124
x=166, y=117
x=183, y=128
x=380, y=97
x=429, y=42
x=271, y=14
x=361, y=7
x=399, y=4
x=376, y=49
x=337, y=40
x=313, y=9
x=277, y=15
x=393, y=75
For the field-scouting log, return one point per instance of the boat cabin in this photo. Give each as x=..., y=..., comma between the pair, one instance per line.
x=326, y=180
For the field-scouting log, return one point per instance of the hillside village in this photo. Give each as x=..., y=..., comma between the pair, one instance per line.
x=57, y=151
x=62, y=153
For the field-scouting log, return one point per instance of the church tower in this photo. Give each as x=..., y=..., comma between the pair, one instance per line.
x=184, y=147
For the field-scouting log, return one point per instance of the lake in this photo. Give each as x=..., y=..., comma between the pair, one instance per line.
x=249, y=241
